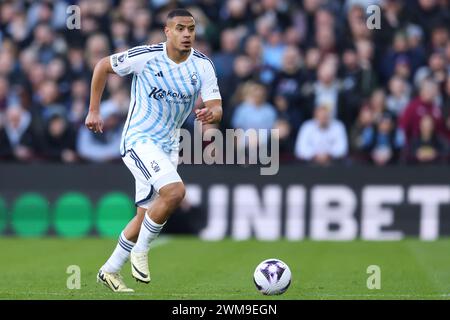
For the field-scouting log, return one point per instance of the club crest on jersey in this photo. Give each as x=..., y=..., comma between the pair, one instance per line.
x=114, y=61
x=194, y=79
x=121, y=57
x=155, y=166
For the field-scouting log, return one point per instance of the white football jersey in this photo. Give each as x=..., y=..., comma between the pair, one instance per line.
x=163, y=93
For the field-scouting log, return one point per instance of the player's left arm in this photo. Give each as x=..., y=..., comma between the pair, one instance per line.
x=211, y=113
x=209, y=90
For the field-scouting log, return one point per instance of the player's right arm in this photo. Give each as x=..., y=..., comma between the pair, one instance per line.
x=93, y=120
x=122, y=63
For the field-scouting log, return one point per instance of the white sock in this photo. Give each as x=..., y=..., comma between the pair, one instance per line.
x=119, y=256
x=149, y=232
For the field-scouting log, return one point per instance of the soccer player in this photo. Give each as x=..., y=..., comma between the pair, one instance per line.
x=167, y=80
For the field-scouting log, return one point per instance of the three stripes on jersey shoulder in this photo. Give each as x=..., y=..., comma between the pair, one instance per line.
x=144, y=49
x=200, y=55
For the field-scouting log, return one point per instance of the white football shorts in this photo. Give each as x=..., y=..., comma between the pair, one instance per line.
x=152, y=169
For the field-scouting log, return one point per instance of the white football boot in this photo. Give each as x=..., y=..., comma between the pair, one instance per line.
x=113, y=280
x=139, y=266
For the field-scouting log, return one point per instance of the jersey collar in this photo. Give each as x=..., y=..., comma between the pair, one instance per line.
x=173, y=62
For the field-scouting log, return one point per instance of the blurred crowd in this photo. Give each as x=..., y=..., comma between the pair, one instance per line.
x=337, y=89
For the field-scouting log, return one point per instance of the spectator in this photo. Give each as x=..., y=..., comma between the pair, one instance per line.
x=312, y=60
x=119, y=100
x=418, y=108
x=141, y=25
x=77, y=65
x=275, y=9
x=292, y=37
x=327, y=91
x=439, y=36
x=435, y=70
x=97, y=47
x=399, y=52
x=383, y=141
x=393, y=17
x=306, y=53
x=403, y=68
x=48, y=100
x=17, y=141
x=349, y=68
x=414, y=35
x=231, y=91
x=229, y=44
x=104, y=147
x=18, y=29
x=59, y=140
x=358, y=76
x=254, y=113
x=286, y=89
x=262, y=72
x=326, y=41
x=6, y=62
x=426, y=13
x=79, y=102
x=326, y=20
x=321, y=140
x=273, y=50
x=46, y=44
x=56, y=72
x=120, y=32
x=234, y=14
x=399, y=95
x=367, y=77
x=310, y=8
x=378, y=103
x=52, y=12
x=357, y=27
x=285, y=139
x=365, y=121
x=428, y=147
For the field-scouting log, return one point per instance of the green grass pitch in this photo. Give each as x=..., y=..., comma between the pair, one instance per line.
x=188, y=268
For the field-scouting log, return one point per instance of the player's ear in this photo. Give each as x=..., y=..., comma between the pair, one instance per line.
x=166, y=30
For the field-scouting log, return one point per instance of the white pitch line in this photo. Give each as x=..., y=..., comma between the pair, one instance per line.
x=80, y=294
x=378, y=295
x=161, y=241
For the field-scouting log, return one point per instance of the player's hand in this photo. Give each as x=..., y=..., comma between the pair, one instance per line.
x=94, y=122
x=205, y=115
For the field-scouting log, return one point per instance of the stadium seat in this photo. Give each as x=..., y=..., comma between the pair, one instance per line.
x=30, y=215
x=73, y=215
x=114, y=211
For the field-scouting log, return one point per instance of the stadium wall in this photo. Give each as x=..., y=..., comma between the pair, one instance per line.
x=337, y=203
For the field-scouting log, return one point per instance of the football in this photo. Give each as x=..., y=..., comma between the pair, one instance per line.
x=272, y=277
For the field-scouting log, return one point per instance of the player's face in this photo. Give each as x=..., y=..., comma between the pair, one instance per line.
x=180, y=31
